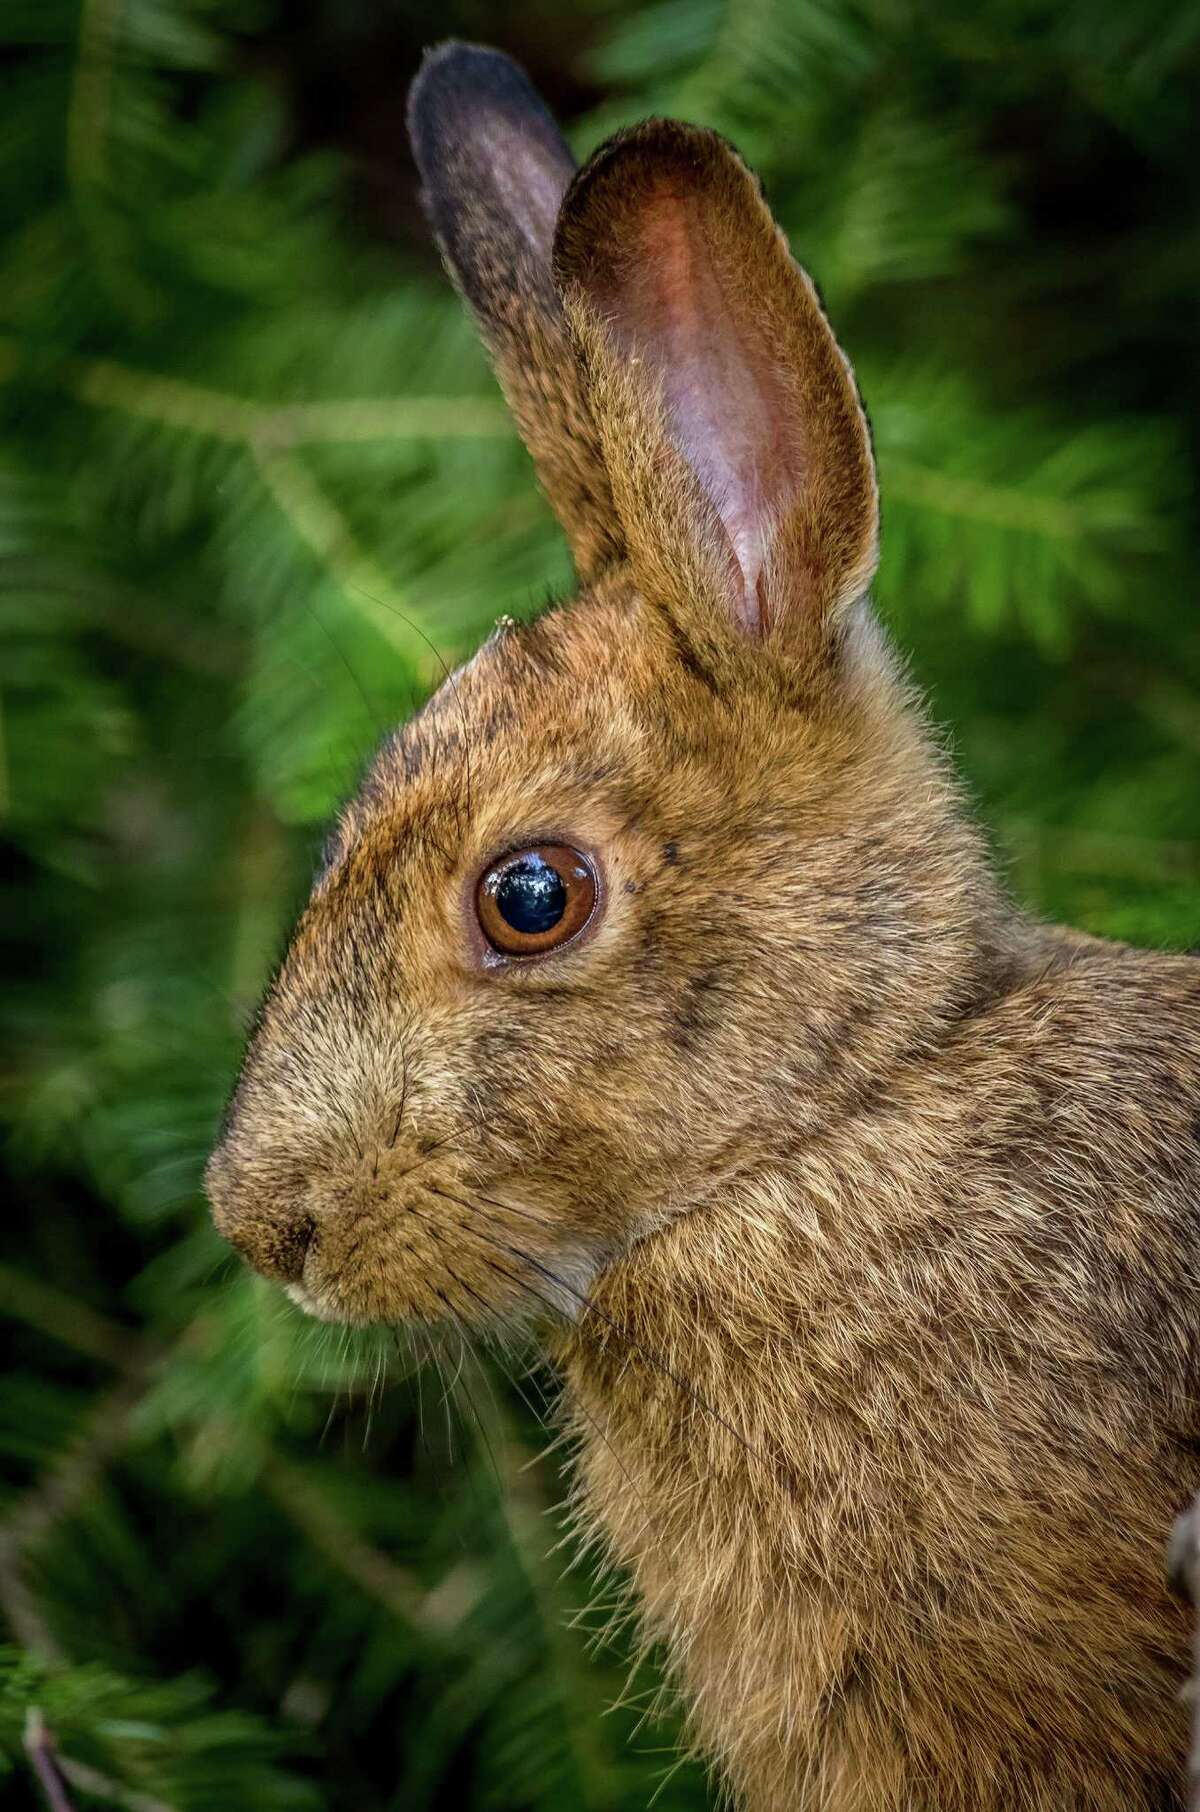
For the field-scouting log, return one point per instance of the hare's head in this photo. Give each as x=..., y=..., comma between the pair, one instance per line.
x=656, y=884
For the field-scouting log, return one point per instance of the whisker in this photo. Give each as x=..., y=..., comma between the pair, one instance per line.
x=453, y=1389
x=447, y=676
x=421, y=1402
x=504, y=1207
x=538, y=1415
x=373, y=717
x=374, y=1394
x=435, y=1351
x=341, y=1342
x=462, y=1353
x=588, y=1417
x=476, y=1416
x=631, y=1341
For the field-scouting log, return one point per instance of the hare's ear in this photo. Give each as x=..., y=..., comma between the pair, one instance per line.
x=737, y=449
x=494, y=169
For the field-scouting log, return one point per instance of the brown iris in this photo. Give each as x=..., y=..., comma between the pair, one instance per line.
x=535, y=900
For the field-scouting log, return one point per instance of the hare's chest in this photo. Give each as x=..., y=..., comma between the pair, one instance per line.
x=757, y=1596
x=881, y=1628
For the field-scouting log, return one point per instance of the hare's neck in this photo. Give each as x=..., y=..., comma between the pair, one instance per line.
x=731, y=1394
x=707, y=1391
x=694, y=1367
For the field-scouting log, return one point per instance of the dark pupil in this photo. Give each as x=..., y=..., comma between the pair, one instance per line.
x=530, y=896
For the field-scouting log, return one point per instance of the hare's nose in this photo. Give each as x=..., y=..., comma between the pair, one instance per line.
x=277, y=1248
x=273, y=1235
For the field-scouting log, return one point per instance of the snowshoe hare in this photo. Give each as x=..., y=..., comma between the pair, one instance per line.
x=657, y=986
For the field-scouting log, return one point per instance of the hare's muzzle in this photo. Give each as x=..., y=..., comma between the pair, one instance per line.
x=272, y=1238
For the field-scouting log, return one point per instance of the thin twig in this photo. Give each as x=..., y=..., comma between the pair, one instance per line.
x=171, y=402
x=53, y=1771
x=43, y=1759
x=317, y=521
x=58, y=1494
x=372, y=1571
x=65, y=1318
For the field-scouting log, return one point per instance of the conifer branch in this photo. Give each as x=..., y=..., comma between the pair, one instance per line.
x=201, y=527
x=101, y=1786
x=89, y=117
x=52, y=1311
x=108, y=1423
x=53, y=1772
x=340, y=1544
x=199, y=409
x=320, y=524
x=55, y=1498
x=5, y=787
x=999, y=506
x=177, y=403
x=91, y=95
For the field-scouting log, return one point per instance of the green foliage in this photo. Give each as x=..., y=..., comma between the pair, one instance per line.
x=256, y=486
x=164, y=1736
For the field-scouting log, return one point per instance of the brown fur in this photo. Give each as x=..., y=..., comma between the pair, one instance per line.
x=495, y=169
x=680, y=290
x=861, y=1213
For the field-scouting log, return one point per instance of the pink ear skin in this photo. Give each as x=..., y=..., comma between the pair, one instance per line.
x=494, y=169
x=737, y=449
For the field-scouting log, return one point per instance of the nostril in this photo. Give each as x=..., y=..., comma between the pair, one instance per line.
x=276, y=1248
x=295, y=1249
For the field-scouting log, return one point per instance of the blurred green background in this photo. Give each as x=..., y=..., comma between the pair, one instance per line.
x=252, y=465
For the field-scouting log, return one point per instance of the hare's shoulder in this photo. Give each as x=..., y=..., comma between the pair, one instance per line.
x=1063, y=1128
x=1117, y=1027
x=1055, y=1135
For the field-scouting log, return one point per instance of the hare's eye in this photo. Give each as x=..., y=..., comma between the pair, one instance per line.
x=536, y=900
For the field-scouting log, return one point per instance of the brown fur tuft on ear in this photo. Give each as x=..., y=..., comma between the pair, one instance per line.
x=737, y=449
x=494, y=168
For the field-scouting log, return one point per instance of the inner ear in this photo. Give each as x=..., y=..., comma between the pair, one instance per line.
x=736, y=446
x=727, y=409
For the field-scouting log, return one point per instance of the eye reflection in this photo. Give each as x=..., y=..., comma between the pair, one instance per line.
x=530, y=895
x=536, y=900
